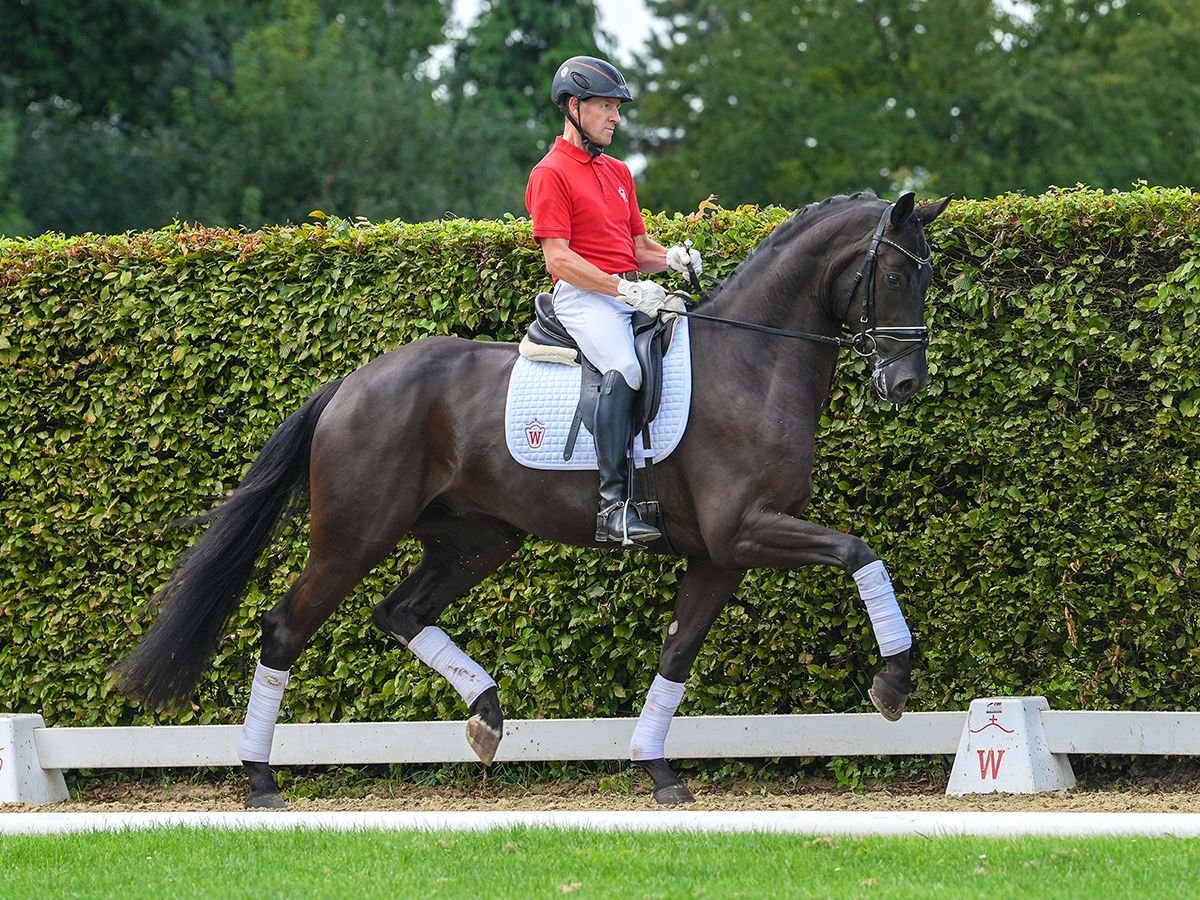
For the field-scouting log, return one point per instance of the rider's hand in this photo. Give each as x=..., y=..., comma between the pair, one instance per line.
x=645, y=296
x=679, y=257
x=672, y=306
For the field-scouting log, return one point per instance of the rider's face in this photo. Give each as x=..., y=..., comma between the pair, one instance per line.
x=600, y=117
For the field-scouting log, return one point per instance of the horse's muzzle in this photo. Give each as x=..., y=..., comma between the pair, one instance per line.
x=899, y=378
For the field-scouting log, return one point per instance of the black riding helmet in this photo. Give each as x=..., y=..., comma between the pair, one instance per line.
x=585, y=77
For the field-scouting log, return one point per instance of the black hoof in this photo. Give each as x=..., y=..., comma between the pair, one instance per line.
x=669, y=790
x=887, y=697
x=892, y=685
x=485, y=728
x=265, y=800
x=674, y=795
x=264, y=790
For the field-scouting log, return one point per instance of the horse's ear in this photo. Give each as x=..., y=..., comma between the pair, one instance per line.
x=927, y=212
x=903, y=208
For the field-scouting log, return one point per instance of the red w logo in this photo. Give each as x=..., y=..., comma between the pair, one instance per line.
x=534, y=432
x=989, y=763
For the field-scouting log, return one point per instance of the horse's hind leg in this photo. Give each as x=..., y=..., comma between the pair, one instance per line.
x=287, y=627
x=459, y=553
x=703, y=591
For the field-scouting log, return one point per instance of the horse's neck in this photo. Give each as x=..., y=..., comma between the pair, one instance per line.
x=786, y=292
x=767, y=371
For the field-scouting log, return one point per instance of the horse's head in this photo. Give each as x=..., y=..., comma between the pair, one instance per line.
x=886, y=308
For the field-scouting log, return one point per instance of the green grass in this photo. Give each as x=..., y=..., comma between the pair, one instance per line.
x=183, y=862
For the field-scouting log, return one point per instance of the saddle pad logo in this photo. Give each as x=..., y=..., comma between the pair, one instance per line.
x=534, y=432
x=541, y=408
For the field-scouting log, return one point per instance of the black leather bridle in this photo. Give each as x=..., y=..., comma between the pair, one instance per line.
x=865, y=341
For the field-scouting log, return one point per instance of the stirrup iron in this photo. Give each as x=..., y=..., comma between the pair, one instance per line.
x=627, y=508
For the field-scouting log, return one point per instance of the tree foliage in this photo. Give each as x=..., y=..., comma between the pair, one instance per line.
x=125, y=116
x=957, y=96
x=500, y=81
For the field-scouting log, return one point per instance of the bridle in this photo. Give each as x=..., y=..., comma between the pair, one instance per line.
x=865, y=342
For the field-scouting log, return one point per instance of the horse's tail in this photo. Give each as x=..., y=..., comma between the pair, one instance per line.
x=210, y=579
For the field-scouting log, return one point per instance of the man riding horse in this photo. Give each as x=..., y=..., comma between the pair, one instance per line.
x=410, y=444
x=588, y=222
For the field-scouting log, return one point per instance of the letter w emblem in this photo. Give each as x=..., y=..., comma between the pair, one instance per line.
x=989, y=763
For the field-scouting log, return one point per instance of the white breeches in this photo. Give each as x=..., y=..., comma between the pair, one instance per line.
x=601, y=327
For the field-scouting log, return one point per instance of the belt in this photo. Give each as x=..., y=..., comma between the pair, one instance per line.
x=628, y=276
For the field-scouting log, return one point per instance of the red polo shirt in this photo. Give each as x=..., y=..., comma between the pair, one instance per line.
x=590, y=201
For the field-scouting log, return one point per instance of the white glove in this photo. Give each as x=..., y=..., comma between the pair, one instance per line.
x=644, y=296
x=679, y=257
x=672, y=307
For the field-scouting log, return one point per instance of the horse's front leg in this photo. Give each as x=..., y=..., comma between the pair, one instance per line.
x=772, y=540
x=703, y=591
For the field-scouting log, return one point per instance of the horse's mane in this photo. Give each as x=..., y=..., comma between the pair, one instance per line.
x=801, y=222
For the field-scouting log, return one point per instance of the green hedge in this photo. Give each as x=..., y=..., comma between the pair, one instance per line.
x=1036, y=507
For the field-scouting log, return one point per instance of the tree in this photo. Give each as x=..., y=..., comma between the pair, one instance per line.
x=88, y=89
x=1119, y=83
x=767, y=102
x=12, y=221
x=113, y=59
x=499, y=84
x=313, y=118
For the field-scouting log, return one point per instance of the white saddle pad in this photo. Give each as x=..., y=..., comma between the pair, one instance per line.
x=541, y=405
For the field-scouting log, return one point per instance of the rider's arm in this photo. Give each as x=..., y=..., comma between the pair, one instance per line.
x=651, y=256
x=565, y=264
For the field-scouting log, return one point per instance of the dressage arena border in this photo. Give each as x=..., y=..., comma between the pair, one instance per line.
x=1005, y=744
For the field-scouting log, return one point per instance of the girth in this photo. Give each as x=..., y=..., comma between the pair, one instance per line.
x=651, y=340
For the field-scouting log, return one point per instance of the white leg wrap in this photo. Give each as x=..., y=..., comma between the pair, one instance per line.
x=434, y=648
x=266, y=693
x=650, y=733
x=875, y=588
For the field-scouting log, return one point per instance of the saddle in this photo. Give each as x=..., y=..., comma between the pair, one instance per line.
x=548, y=341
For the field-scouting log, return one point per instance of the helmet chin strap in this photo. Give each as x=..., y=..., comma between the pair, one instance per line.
x=588, y=144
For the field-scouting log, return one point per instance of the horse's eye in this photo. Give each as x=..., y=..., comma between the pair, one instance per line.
x=893, y=279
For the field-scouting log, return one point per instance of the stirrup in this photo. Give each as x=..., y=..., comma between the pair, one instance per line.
x=633, y=530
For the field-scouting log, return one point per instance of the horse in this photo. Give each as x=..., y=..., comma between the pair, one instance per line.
x=411, y=443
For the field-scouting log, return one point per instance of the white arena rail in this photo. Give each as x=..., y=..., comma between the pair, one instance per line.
x=530, y=740
x=1001, y=744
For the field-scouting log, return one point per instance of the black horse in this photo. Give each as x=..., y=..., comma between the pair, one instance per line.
x=413, y=444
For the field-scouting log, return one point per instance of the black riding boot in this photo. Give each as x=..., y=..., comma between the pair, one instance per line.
x=617, y=519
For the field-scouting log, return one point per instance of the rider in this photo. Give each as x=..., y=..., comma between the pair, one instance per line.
x=589, y=225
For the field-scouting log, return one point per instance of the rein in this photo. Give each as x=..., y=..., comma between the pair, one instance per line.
x=865, y=341
x=781, y=332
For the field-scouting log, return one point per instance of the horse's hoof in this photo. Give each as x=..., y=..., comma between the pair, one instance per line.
x=265, y=800
x=484, y=739
x=888, y=700
x=674, y=795
x=669, y=790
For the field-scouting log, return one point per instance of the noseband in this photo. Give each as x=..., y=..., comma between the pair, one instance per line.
x=865, y=341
